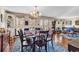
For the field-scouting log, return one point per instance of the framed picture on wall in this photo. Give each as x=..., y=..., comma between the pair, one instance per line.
x=26, y=22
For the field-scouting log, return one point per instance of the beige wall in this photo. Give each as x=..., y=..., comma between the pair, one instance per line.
x=66, y=23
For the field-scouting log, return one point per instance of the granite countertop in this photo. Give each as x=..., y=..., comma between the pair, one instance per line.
x=72, y=37
x=74, y=43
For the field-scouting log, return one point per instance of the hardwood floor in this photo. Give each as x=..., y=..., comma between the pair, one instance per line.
x=57, y=38
x=60, y=41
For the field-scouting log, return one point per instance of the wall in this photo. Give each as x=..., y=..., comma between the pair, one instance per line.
x=68, y=22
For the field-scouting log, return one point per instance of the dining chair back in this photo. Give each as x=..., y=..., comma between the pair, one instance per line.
x=42, y=40
x=25, y=42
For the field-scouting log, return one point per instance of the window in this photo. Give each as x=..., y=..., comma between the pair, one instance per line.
x=69, y=22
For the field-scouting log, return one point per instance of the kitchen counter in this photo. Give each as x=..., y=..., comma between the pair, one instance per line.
x=73, y=46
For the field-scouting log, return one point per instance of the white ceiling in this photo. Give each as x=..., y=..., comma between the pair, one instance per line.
x=54, y=11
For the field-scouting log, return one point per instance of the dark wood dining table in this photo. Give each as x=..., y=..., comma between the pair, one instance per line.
x=33, y=36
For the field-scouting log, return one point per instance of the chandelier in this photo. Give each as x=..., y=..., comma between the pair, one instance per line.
x=35, y=13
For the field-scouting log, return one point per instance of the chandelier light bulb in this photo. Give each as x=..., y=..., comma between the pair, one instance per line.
x=35, y=13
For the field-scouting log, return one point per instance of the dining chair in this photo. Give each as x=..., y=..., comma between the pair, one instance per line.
x=26, y=29
x=41, y=40
x=37, y=29
x=25, y=42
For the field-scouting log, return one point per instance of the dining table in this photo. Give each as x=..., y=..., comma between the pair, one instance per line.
x=33, y=35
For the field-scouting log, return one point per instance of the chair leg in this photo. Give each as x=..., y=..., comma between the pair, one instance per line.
x=46, y=47
x=31, y=48
x=52, y=44
x=21, y=48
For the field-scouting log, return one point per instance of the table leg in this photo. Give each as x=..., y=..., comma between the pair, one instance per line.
x=46, y=47
x=33, y=44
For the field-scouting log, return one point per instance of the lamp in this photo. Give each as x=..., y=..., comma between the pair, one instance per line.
x=2, y=27
x=35, y=13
